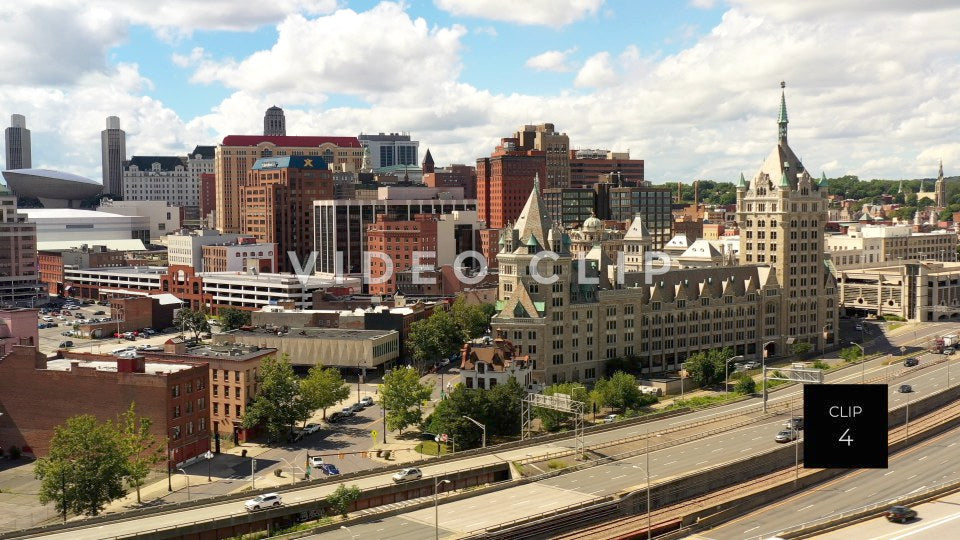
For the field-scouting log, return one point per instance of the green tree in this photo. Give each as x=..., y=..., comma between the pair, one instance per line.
x=745, y=385
x=801, y=348
x=401, y=395
x=231, y=318
x=707, y=368
x=192, y=320
x=553, y=420
x=851, y=354
x=433, y=338
x=620, y=391
x=503, y=412
x=278, y=405
x=448, y=417
x=322, y=388
x=141, y=448
x=472, y=319
x=343, y=497
x=85, y=467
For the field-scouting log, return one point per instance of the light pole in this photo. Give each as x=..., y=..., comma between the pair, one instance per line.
x=646, y=473
x=293, y=474
x=481, y=426
x=726, y=372
x=352, y=536
x=436, y=508
x=907, y=437
x=863, y=361
x=209, y=457
x=185, y=475
x=763, y=368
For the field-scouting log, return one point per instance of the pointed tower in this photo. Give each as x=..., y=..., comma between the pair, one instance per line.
x=428, y=166
x=940, y=189
x=782, y=119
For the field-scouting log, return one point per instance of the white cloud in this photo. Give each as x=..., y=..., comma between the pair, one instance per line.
x=367, y=54
x=173, y=17
x=551, y=61
x=554, y=13
x=597, y=72
x=703, y=4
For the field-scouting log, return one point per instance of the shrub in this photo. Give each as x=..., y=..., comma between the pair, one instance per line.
x=745, y=385
x=820, y=364
x=556, y=464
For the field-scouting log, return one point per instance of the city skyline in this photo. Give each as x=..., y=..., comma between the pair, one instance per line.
x=681, y=86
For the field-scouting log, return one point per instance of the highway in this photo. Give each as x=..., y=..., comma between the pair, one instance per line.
x=917, y=468
x=935, y=519
x=573, y=487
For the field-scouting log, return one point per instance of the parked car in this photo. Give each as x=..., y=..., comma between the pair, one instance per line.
x=346, y=412
x=66, y=344
x=905, y=388
x=609, y=419
x=794, y=423
x=329, y=469
x=949, y=350
x=99, y=312
x=786, y=435
x=910, y=362
x=263, y=501
x=367, y=401
x=357, y=407
x=316, y=461
x=48, y=318
x=902, y=514
x=411, y=473
x=311, y=428
x=428, y=436
x=334, y=417
x=295, y=435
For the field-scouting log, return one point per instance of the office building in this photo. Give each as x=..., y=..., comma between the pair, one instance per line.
x=332, y=347
x=19, y=279
x=236, y=155
x=185, y=248
x=390, y=149
x=571, y=206
x=556, y=150
x=17, y=140
x=160, y=178
x=454, y=176
x=52, y=262
x=504, y=181
x=277, y=204
x=113, y=148
x=340, y=226
x=588, y=167
x=866, y=244
x=243, y=255
x=162, y=216
x=623, y=203
x=274, y=122
x=406, y=244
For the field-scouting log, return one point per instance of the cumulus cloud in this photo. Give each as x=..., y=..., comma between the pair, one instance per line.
x=371, y=53
x=554, y=13
x=597, y=72
x=551, y=61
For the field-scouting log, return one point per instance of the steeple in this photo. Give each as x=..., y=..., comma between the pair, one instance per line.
x=940, y=174
x=534, y=221
x=823, y=180
x=782, y=120
x=428, y=165
x=743, y=182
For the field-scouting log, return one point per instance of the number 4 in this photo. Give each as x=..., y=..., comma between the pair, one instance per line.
x=846, y=438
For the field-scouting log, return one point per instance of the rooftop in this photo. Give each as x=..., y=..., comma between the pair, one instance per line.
x=69, y=213
x=145, y=163
x=290, y=141
x=319, y=333
x=234, y=352
x=151, y=368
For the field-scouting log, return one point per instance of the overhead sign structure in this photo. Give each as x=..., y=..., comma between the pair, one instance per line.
x=845, y=426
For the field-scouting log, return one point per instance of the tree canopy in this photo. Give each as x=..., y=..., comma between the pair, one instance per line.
x=433, y=339
x=321, y=389
x=232, y=318
x=497, y=408
x=192, y=320
x=707, y=368
x=401, y=395
x=621, y=391
x=142, y=449
x=473, y=320
x=278, y=405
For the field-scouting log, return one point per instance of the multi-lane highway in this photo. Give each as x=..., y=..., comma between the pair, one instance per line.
x=550, y=494
x=936, y=519
x=910, y=471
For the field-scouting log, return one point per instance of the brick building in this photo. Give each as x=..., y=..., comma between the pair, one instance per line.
x=504, y=181
x=138, y=312
x=399, y=240
x=277, y=203
x=17, y=327
x=463, y=176
x=587, y=167
x=208, y=196
x=37, y=394
x=52, y=262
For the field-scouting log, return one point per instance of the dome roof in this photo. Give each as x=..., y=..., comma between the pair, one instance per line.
x=592, y=223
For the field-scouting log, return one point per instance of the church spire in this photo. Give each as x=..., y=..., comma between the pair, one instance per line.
x=782, y=119
x=940, y=174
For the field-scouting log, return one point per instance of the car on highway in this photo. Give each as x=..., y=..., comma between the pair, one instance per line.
x=905, y=388
x=910, y=362
x=367, y=401
x=311, y=428
x=786, y=435
x=411, y=473
x=315, y=461
x=949, y=350
x=329, y=469
x=902, y=514
x=794, y=423
x=263, y=501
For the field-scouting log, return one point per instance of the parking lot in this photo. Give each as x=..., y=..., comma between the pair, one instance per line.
x=53, y=338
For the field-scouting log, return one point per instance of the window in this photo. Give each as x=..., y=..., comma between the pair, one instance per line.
x=176, y=411
x=176, y=390
x=238, y=411
x=236, y=392
x=175, y=432
x=216, y=408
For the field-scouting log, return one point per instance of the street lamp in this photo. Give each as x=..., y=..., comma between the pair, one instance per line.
x=726, y=372
x=763, y=368
x=907, y=437
x=293, y=474
x=209, y=457
x=436, y=509
x=352, y=536
x=863, y=361
x=185, y=475
x=481, y=426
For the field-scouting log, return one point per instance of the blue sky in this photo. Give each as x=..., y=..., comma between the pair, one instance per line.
x=691, y=86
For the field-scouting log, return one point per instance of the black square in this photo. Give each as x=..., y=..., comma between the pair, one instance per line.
x=845, y=426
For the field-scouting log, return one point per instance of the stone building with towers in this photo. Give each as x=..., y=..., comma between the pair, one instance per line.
x=570, y=313
x=939, y=193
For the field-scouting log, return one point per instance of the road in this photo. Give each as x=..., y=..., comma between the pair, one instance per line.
x=936, y=519
x=917, y=468
x=571, y=488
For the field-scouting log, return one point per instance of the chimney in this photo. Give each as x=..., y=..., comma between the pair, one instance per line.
x=679, y=192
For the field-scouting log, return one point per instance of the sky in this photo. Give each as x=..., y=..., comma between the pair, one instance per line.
x=690, y=86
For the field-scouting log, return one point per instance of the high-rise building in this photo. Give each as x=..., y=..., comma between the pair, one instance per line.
x=782, y=213
x=455, y=175
x=160, y=178
x=389, y=149
x=17, y=138
x=277, y=204
x=237, y=154
x=274, y=122
x=504, y=181
x=19, y=281
x=623, y=203
x=556, y=149
x=113, y=147
x=588, y=167
x=400, y=241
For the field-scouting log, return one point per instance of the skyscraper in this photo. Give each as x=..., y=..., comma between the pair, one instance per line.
x=274, y=122
x=554, y=145
x=113, y=146
x=17, y=138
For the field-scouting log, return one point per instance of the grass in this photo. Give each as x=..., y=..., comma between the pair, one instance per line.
x=700, y=402
x=894, y=325
x=429, y=448
x=556, y=464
